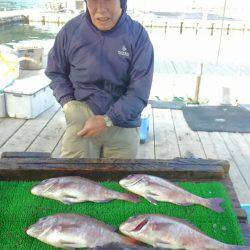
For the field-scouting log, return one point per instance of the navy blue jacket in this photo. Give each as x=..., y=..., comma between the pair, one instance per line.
x=111, y=71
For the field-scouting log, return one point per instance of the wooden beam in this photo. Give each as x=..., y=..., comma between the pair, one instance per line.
x=106, y=169
x=25, y=155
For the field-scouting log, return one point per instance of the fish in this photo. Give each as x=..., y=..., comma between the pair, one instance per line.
x=156, y=189
x=171, y=233
x=76, y=189
x=75, y=231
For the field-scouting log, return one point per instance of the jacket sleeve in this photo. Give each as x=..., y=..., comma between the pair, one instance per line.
x=131, y=104
x=58, y=70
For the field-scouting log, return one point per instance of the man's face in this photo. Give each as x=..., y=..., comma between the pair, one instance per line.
x=104, y=13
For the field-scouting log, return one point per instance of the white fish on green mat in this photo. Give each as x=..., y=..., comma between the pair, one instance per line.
x=171, y=233
x=156, y=189
x=74, y=231
x=75, y=189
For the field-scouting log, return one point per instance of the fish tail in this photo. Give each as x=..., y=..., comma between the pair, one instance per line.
x=215, y=204
x=129, y=241
x=130, y=197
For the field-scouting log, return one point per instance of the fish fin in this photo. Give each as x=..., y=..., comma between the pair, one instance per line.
x=125, y=197
x=164, y=245
x=67, y=199
x=151, y=197
x=215, y=204
x=70, y=196
x=129, y=241
x=151, y=200
x=152, y=193
x=132, y=198
x=69, y=245
x=182, y=204
x=110, y=228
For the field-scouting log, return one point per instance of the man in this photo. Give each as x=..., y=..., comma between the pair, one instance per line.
x=101, y=68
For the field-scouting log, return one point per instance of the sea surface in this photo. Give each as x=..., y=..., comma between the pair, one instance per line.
x=20, y=4
x=21, y=32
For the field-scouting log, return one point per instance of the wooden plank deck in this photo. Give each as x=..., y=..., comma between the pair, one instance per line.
x=169, y=137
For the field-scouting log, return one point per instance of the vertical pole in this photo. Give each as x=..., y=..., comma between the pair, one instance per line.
x=212, y=29
x=43, y=20
x=181, y=28
x=197, y=28
x=198, y=83
x=228, y=28
x=222, y=24
x=166, y=25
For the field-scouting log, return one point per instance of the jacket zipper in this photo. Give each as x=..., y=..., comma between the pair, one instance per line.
x=102, y=56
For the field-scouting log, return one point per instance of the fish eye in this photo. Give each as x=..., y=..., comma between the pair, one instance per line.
x=44, y=181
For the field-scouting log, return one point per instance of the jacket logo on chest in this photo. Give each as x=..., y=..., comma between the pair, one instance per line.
x=123, y=52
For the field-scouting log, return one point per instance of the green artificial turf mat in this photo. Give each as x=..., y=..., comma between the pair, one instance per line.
x=19, y=209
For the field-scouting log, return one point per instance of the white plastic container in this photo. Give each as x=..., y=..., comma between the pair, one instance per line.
x=29, y=97
x=2, y=106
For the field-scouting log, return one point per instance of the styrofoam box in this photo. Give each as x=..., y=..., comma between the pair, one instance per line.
x=29, y=97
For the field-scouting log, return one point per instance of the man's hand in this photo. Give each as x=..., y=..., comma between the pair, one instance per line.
x=94, y=126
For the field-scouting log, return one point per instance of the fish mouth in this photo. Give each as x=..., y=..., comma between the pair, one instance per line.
x=140, y=226
x=29, y=231
x=44, y=187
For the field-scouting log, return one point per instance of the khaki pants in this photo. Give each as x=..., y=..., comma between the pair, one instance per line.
x=114, y=142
